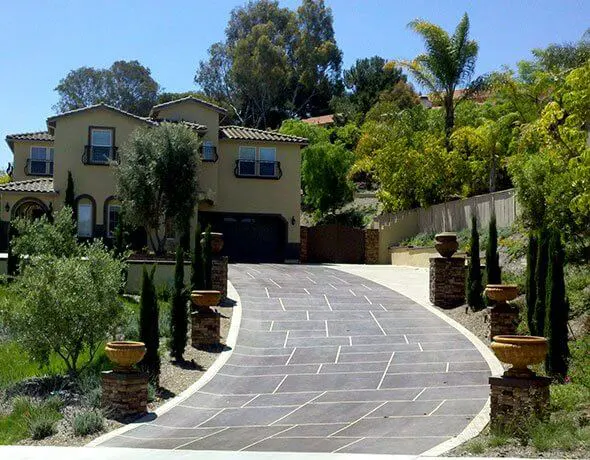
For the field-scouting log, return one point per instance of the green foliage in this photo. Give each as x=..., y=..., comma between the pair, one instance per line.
x=197, y=263
x=580, y=361
x=208, y=258
x=70, y=197
x=577, y=280
x=29, y=419
x=149, y=326
x=563, y=433
x=88, y=422
x=493, y=271
x=474, y=283
x=557, y=313
x=127, y=85
x=541, y=281
x=531, y=283
x=40, y=237
x=569, y=397
x=66, y=305
x=178, y=314
x=158, y=179
x=325, y=175
x=313, y=133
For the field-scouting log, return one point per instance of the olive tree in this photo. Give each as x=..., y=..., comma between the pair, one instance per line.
x=66, y=305
x=157, y=179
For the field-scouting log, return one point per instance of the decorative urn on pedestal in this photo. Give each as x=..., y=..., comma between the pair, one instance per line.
x=216, y=241
x=125, y=354
x=520, y=351
x=446, y=244
x=203, y=300
x=503, y=316
x=205, y=322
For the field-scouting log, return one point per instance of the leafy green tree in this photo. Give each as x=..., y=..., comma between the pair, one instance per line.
x=70, y=198
x=449, y=62
x=127, y=85
x=541, y=278
x=531, y=283
x=559, y=58
x=557, y=303
x=474, y=284
x=313, y=133
x=208, y=258
x=178, y=313
x=158, y=179
x=197, y=263
x=149, y=330
x=493, y=270
x=67, y=305
x=325, y=175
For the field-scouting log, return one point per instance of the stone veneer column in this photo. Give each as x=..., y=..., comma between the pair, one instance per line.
x=125, y=393
x=371, y=246
x=303, y=231
x=205, y=328
x=447, y=281
x=515, y=400
x=503, y=319
x=219, y=276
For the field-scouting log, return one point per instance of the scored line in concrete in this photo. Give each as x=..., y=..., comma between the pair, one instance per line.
x=327, y=302
x=386, y=369
x=382, y=330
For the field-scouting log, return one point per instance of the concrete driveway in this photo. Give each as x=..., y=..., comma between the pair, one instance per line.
x=327, y=361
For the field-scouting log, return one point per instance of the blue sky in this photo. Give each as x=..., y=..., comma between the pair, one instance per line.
x=42, y=40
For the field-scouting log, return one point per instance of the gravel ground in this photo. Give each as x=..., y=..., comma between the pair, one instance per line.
x=174, y=379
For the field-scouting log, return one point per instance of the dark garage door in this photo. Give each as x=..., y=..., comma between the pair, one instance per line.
x=249, y=237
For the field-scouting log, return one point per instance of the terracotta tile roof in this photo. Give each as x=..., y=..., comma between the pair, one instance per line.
x=44, y=185
x=189, y=124
x=192, y=99
x=36, y=136
x=101, y=105
x=252, y=134
x=321, y=120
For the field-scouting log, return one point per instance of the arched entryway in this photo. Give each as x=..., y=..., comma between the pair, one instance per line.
x=29, y=208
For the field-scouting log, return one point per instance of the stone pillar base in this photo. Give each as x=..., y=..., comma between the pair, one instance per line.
x=503, y=319
x=515, y=400
x=447, y=281
x=205, y=328
x=125, y=393
x=219, y=276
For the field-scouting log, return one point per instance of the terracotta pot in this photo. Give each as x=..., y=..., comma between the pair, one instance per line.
x=446, y=244
x=125, y=354
x=501, y=292
x=520, y=351
x=205, y=299
x=216, y=241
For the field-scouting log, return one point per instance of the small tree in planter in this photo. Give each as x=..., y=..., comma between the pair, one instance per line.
x=474, y=284
x=178, y=314
x=557, y=307
x=149, y=331
x=197, y=263
x=531, y=283
x=157, y=179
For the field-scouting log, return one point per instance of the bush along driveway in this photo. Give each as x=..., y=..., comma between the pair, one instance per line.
x=327, y=362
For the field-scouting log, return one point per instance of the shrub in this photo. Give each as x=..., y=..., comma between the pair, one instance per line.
x=208, y=258
x=531, y=288
x=474, y=285
x=541, y=279
x=178, y=313
x=42, y=425
x=197, y=263
x=40, y=419
x=494, y=274
x=88, y=422
x=569, y=397
x=149, y=326
x=66, y=305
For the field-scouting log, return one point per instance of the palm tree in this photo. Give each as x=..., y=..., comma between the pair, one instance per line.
x=449, y=61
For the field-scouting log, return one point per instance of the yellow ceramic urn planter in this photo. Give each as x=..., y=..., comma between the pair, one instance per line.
x=501, y=292
x=125, y=354
x=205, y=299
x=520, y=351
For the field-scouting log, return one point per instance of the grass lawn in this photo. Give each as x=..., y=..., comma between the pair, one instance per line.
x=29, y=419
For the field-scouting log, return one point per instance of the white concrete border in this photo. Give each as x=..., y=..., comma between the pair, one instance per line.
x=375, y=273
x=232, y=338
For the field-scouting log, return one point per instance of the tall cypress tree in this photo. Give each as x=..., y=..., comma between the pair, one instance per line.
x=149, y=331
x=557, y=307
x=208, y=258
x=197, y=263
x=474, y=285
x=493, y=271
x=531, y=284
x=541, y=280
x=178, y=313
x=70, y=198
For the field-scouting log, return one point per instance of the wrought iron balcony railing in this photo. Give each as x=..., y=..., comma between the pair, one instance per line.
x=101, y=156
x=39, y=167
x=258, y=169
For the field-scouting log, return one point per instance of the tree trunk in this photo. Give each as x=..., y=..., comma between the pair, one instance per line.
x=449, y=107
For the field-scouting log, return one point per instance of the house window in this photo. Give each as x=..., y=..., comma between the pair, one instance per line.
x=247, y=163
x=84, y=215
x=101, y=145
x=208, y=151
x=267, y=157
x=113, y=213
x=41, y=161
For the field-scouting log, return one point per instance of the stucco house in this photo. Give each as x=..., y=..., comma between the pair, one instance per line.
x=249, y=179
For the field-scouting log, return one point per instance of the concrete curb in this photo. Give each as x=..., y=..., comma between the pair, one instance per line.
x=232, y=338
x=482, y=419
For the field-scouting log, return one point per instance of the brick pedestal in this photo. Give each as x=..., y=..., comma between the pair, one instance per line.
x=503, y=319
x=447, y=281
x=219, y=276
x=515, y=400
x=125, y=393
x=371, y=246
x=205, y=328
